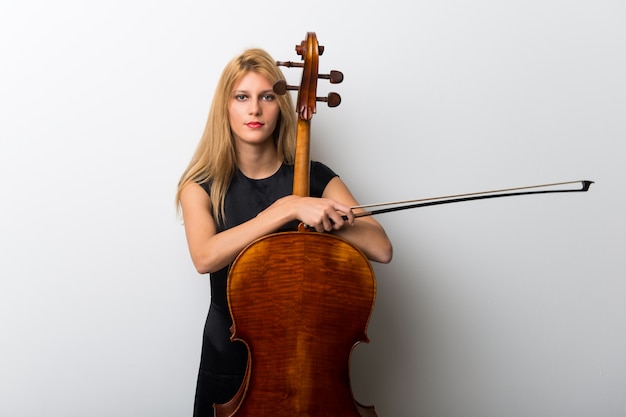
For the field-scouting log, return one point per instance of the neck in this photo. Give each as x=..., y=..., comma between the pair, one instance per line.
x=258, y=163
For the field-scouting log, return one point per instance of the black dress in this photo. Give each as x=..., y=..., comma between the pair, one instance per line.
x=223, y=363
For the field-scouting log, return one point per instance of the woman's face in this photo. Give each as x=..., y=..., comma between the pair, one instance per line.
x=253, y=110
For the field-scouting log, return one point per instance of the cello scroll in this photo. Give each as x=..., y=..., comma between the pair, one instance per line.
x=310, y=51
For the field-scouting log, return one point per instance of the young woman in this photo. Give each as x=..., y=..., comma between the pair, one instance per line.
x=238, y=188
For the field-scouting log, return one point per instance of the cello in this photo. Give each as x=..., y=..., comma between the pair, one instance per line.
x=300, y=300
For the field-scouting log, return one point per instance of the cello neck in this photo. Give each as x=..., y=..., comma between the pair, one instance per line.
x=309, y=50
x=302, y=164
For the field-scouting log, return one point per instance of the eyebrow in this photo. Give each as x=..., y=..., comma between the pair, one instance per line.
x=269, y=90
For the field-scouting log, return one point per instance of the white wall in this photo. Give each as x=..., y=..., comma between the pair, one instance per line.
x=507, y=307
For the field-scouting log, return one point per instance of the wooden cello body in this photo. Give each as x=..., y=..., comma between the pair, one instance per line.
x=301, y=302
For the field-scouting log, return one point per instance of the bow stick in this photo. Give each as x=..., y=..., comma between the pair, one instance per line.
x=457, y=198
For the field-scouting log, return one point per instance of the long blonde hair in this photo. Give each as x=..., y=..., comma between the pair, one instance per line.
x=215, y=160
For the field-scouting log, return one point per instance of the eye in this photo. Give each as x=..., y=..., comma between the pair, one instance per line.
x=268, y=97
x=240, y=97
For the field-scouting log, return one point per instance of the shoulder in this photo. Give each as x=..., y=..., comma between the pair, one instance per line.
x=206, y=186
x=320, y=168
x=194, y=194
x=320, y=175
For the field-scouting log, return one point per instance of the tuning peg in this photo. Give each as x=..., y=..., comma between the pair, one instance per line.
x=335, y=77
x=281, y=87
x=302, y=47
x=290, y=64
x=333, y=99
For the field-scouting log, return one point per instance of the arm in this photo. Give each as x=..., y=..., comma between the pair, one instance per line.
x=365, y=233
x=210, y=251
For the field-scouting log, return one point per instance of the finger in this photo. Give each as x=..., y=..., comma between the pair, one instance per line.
x=337, y=220
x=348, y=215
x=328, y=224
x=351, y=216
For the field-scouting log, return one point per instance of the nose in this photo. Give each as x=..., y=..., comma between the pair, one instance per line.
x=254, y=107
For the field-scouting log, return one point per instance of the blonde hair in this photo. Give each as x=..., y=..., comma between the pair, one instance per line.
x=215, y=160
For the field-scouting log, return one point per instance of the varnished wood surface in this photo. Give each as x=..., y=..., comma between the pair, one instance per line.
x=300, y=301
